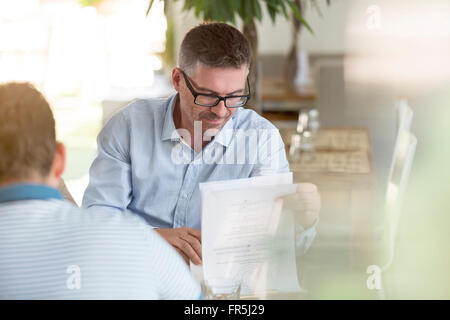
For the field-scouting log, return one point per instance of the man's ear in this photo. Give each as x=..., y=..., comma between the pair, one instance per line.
x=177, y=77
x=59, y=162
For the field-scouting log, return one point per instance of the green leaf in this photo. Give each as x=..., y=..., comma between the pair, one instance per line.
x=246, y=11
x=316, y=6
x=198, y=7
x=272, y=11
x=233, y=9
x=226, y=10
x=207, y=12
x=299, y=16
x=188, y=5
x=283, y=8
x=234, y=5
x=217, y=10
x=149, y=7
x=257, y=10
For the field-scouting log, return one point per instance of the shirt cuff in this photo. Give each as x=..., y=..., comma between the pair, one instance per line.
x=304, y=237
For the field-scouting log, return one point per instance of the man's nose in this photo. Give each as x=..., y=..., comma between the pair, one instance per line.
x=220, y=110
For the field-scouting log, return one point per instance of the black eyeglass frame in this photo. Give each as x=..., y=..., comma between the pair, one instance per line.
x=219, y=98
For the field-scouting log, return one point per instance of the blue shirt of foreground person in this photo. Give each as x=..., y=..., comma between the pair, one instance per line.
x=50, y=249
x=153, y=154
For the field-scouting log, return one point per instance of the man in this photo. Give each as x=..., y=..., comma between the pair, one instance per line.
x=153, y=154
x=51, y=250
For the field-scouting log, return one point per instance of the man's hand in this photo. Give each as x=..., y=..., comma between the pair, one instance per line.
x=187, y=241
x=305, y=204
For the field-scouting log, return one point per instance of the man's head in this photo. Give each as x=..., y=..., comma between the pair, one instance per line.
x=28, y=148
x=215, y=59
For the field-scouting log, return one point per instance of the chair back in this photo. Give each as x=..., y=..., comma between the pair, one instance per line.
x=404, y=151
x=404, y=115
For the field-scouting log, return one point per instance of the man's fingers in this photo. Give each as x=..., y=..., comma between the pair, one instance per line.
x=196, y=233
x=194, y=242
x=185, y=246
x=185, y=257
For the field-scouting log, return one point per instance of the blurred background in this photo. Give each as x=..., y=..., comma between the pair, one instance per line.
x=354, y=62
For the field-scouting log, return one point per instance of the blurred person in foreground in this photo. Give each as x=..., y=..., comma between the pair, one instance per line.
x=50, y=249
x=153, y=154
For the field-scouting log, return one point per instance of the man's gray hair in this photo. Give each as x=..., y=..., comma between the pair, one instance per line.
x=214, y=45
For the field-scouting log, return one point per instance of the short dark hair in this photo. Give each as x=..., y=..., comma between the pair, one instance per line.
x=214, y=45
x=27, y=132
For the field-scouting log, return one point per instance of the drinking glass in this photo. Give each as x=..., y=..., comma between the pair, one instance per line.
x=221, y=289
x=307, y=128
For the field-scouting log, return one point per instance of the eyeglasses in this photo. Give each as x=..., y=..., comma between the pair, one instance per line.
x=212, y=100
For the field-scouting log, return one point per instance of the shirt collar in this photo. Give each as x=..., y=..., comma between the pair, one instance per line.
x=226, y=133
x=169, y=131
x=28, y=192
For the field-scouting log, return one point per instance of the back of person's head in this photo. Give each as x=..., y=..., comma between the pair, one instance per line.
x=217, y=45
x=27, y=133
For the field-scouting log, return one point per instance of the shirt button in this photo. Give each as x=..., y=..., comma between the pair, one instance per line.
x=185, y=195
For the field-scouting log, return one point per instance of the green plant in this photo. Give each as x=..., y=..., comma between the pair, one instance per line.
x=246, y=10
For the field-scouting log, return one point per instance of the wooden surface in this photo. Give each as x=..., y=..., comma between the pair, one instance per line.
x=275, y=89
x=276, y=116
x=276, y=95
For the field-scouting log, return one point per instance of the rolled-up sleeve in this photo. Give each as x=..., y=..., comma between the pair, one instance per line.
x=304, y=237
x=110, y=174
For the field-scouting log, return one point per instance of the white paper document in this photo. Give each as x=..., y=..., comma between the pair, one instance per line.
x=245, y=235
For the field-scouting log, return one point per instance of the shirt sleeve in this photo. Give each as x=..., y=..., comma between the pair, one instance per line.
x=271, y=154
x=109, y=185
x=175, y=281
x=304, y=237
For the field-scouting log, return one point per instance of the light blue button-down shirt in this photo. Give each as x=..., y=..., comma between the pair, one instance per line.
x=144, y=166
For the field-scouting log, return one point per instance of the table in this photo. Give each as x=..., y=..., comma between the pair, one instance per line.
x=276, y=95
x=341, y=166
x=336, y=150
x=335, y=266
x=343, y=247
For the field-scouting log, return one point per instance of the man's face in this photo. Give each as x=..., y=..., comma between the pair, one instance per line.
x=219, y=81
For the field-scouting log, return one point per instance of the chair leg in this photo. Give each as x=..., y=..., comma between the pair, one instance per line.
x=381, y=293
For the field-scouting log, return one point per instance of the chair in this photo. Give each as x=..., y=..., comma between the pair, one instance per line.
x=399, y=170
x=397, y=183
x=404, y=119
x=404, y=115
x=404, y=151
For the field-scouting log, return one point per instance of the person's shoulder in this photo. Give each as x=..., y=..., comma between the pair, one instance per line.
x=124, y=227
x=149, y=107
x=247, y=119
x=122, y=223
x=103, y=219
x=142, y=109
